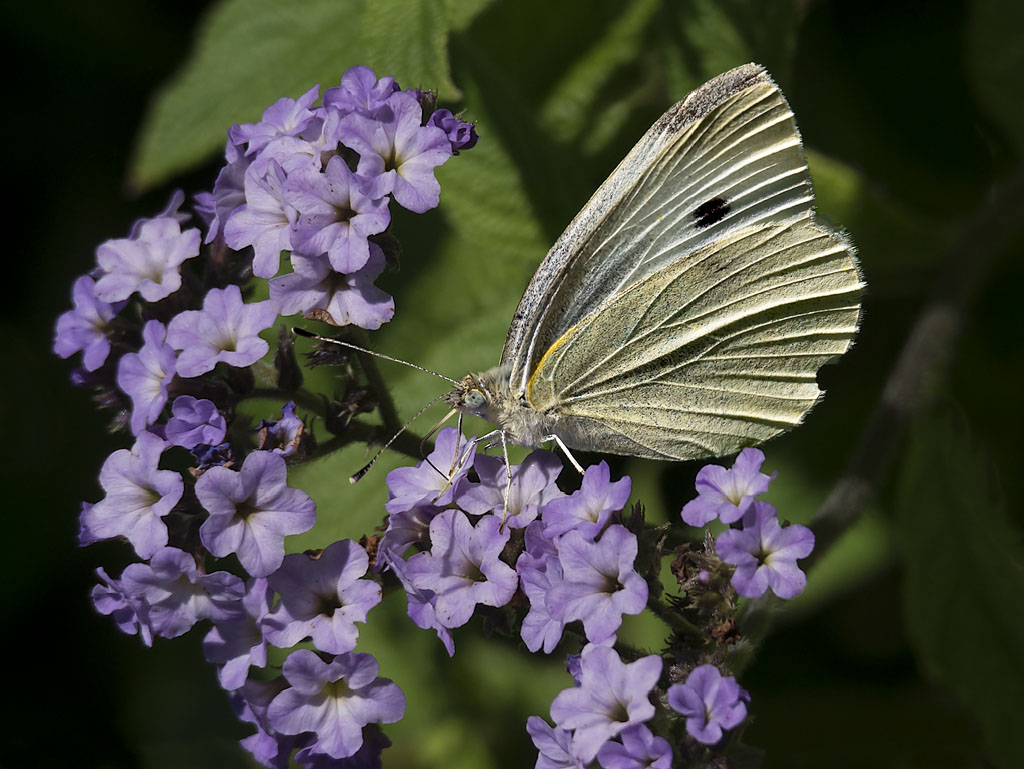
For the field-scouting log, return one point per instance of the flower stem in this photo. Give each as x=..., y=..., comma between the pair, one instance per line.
x=673, y=619
x=385, y=403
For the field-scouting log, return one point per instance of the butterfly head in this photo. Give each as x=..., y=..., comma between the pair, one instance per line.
x=471, y=395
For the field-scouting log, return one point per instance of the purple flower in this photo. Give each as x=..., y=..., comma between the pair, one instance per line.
x=323, y=598
x=539, y=571
x=727, y=494
x=461, y=135
x=360, y=91
x=335, y=700
x=367, y=757
x=463, y=567
x=178, y=595
x=765, y=554
x=611, y=697
x=228, y=195
x=291, y=154
x=421, y=606
x=264, y=221
x=129, y=613
x=250, y=704
x=236, y=642
x=193, y=422
x=342, y=299
x=541, y=628
x=85, y=327
x=148, y=262
x=394, y=144
x=252, y=511
x=639, y=749
x=226, y=329
x=428, y=483
x=337, y=211
x=282, y=436
x=554, y=746
x=533, y=486
x=144, y=376
x=590, y=507
x=138, y=497
x=285, y=117
x=710, y=703
x=598, y=582
x=405, y=529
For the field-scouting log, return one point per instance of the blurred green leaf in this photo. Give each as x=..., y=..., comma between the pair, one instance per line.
x=707, y=37
x=964, y=579
x=996, y=62
x=249, y=53
x=569, y=105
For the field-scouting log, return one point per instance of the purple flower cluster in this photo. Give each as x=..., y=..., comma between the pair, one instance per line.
x=245, y=513
x=312, y=182
x=574, y=563
x=612, y=697
x=315, y=183
x=711, y=703
x=763, y=551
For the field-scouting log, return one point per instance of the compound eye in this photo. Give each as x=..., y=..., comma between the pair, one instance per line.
x=474, y=399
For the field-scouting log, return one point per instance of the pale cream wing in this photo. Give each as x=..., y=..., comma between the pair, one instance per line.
x=726, y=158
x=717, y=351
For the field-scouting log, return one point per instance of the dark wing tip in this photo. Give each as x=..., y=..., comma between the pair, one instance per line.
x=704, y=99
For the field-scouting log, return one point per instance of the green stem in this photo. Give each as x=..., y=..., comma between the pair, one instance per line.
x=673, y=619
x=385, y=404
x=359, y=432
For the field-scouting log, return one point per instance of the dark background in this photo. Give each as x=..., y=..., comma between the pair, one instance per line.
x=891, y=90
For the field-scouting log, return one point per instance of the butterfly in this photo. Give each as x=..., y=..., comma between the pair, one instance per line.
x=686, y=310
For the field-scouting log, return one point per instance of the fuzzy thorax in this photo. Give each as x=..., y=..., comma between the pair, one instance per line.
x=488, y=395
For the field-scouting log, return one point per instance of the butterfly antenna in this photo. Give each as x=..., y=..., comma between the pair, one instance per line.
x=327, y=339
x=355, y=477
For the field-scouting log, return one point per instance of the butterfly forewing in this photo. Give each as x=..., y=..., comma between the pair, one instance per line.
x=726, y=158
x=715, y=351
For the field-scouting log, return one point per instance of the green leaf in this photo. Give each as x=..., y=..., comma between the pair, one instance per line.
x=964, y=580
x=704, y=38
x=249, y=53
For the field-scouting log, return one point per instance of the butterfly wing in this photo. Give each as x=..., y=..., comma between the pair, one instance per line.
x=714, y=352
x=725, y=158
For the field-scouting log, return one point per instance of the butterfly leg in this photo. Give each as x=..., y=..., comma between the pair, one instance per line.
x=565, y=450
x=458, y=460
x=508, y=478
x=458, y=446
x=488, y=436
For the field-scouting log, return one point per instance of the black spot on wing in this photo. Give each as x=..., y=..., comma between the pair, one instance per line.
x=710, y=212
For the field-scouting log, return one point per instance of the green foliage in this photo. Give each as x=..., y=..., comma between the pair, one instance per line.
x=249, y=53
x=964, y=578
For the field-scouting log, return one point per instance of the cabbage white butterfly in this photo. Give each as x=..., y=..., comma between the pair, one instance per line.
x=687, y=308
